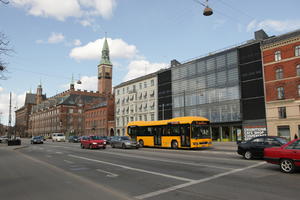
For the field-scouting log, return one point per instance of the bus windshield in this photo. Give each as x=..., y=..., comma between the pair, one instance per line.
x=200, y=131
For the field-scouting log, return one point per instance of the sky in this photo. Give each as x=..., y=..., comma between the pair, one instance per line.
x=54, y=40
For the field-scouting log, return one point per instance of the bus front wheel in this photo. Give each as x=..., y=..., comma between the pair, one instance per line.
x=174, y=144
x=141, y=143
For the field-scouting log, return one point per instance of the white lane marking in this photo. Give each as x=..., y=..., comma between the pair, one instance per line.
x=70, y=162
x=49, y=156
x=134, y=169
x=58, y=152
x=176, y=187
x=167, y=160
x=109, y=174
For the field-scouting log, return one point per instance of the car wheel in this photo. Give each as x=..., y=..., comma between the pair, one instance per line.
x=287, y=166
x=248, y=155
x=141, y=142
x=104, y=147
x=174, y=144
x=123, y=146
x=81, y=146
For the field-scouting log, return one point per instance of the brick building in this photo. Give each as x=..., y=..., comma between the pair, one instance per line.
x=281, y=60
x=22, y=114
x=69, y=111
x=99, y=117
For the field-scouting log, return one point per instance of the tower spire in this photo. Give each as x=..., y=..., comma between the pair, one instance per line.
x=105, y=53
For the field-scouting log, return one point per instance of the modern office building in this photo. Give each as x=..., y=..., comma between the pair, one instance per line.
x=281, y=61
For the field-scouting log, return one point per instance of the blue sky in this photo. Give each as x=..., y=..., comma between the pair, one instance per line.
x=53, y=39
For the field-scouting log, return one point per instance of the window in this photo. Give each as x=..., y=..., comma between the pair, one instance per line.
x=299, y=90
x=259, y=140
x=297, y=50
x=295, y=145
x=141, y=85
x=298, y=70
x=145, y=84
x=283, y=131
x=152, y=82
x=279, y=73
x=282, y=112
x=280, y=92
x=277, y=56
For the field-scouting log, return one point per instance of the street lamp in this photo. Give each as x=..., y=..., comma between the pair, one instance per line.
x=207, y=10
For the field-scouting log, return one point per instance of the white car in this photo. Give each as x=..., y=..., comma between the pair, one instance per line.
x=58, y=137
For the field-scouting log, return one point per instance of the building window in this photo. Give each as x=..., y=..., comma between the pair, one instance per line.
x=282, y=112
x=141, y=85
x=280, y=92
x=152, y=82
x=284, y=131
x=70, y=110
x=279, y=73
x=297, y=50
x=299, y=90
x=298, y=69
x=145, y=84
x=277, y=56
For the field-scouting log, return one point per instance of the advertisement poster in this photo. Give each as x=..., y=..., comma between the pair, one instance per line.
x=251, y=132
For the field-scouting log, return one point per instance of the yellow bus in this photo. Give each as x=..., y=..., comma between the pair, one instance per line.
x=181, y=132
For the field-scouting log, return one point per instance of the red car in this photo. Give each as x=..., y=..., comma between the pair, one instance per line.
x=287, y=156
x=92, y=142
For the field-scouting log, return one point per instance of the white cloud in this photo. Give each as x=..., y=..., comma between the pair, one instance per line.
x=86, y=22
x=39, y=41
x=76, y=42
x=139, y=68
x=17, y=102
x=56, y=38
x=118, y=49
x=274, y=25
x=62, y=9
x=57, y=9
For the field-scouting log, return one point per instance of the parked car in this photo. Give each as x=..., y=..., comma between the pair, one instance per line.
x=58, y=137
x=74, y=139
x=254, y=148
x=37, y=140
x=124, y=142
x=92, y=142
x=287, y=156
x=3, y=139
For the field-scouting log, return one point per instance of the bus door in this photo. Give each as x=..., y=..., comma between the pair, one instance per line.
x=185, y=135
x=132, y=131
x=157, y=132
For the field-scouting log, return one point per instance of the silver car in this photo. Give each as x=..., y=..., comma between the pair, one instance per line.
x=124, y=142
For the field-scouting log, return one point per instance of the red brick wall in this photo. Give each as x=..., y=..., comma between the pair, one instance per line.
x=290, y=80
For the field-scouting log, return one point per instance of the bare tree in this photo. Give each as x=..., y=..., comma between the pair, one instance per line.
x=4, y=49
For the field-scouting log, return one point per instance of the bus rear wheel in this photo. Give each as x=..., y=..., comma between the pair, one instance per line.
x=174, y=144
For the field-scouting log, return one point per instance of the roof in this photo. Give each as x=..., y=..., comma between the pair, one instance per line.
x=70, y=99
x=177, y=120
x=275, y=39
x=141, y=78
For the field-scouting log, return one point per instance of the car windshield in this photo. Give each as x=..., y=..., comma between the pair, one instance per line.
x=282, y=140
x=200, y=131
x=37, y=137
x=95, y=138
x=125, y=138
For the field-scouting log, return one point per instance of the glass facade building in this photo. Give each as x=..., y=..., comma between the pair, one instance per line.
x=209, y=87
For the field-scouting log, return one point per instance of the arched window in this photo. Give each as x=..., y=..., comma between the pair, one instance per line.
x=277, y=55
x=279, y=73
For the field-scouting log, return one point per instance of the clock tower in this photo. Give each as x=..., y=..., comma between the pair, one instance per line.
x=105, y=71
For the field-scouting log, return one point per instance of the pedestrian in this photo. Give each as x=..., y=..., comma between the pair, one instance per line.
x=296, y=136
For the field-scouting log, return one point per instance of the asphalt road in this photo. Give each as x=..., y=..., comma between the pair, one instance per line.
x=64, y=171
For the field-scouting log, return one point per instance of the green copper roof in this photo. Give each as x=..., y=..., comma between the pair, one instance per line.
x=105, y=54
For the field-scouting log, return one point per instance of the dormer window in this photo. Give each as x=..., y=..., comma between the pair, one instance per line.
x=277, y=55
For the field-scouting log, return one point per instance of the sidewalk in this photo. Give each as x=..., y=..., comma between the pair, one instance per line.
x=224, y=146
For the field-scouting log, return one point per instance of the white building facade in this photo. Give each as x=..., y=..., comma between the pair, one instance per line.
x=135, y=100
